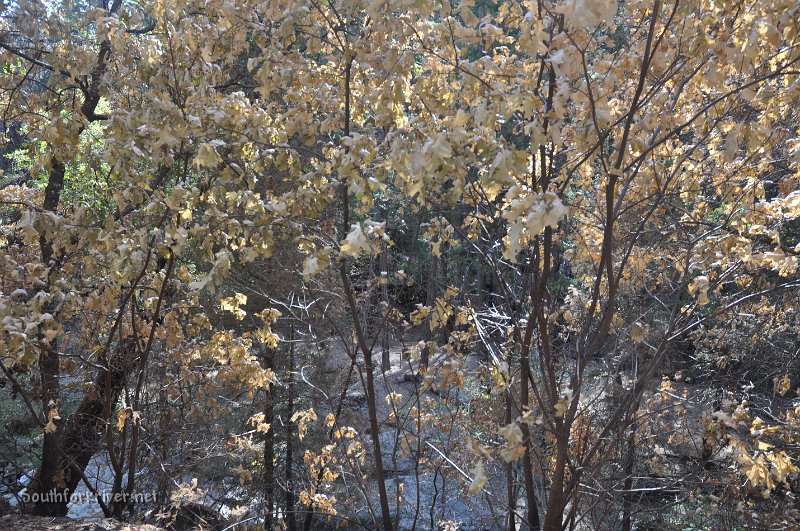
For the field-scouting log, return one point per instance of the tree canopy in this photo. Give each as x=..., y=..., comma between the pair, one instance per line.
x=552, y=244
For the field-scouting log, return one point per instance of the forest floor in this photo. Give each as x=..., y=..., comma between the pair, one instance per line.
x=443, y=477
x=433, y=469
x=420, y=469
x=20, y=522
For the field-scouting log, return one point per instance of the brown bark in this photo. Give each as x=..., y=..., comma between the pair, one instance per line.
x=384, y=280
x=47, y=479
x=269, y=446
x=81, y=436
x=291, y=521
x=527, y=465
x=510, y=490
x=372, y=407
x=372, y=403
x=52, y=476
x=556, y=501
x=430, y=300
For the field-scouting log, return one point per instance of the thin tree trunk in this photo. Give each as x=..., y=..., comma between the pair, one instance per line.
x=118, y=503
x=141, y=371
x=430, y=300
x=444, y=273
x=372, y=403
x=372, y=406
x=269, y=445
x=510, y=494
x=630, y=461
x=384, y=280
x=553, y=519
x=291, y=522
x=527, y=466
x=627, y=500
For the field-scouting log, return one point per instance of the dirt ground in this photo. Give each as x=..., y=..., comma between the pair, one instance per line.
x=21, y=522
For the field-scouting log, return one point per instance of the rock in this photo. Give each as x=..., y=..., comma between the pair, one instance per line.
x=332, y=365
x=455, y=510
x=397, y=465
x=411, y=377
x=356, y=397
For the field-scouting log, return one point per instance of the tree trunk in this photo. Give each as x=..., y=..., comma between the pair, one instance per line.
x=444, y=274
x=384, y=280
x=627, y=500
x=553, y=518
x=527, y=465
x=48, y=477
x=372, y=407
x=510, y=490
x=630, y=461
x=291, y=522
x=430, y=300
x=269, y=446
x=81, y=437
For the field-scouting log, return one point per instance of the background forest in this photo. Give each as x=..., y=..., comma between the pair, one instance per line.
x=401, y=264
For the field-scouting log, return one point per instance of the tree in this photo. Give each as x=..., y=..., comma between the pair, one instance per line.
x=621, y=175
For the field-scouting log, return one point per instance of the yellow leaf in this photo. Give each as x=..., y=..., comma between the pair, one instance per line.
x=303, y=419
x=52, y=416
x=637, y=332
x=511, y=433
x=781, y=466
x=561, y=407
x=207, y=156
x=233, y=305
x=121, y=417
x=781, y=385
x=310, y=267
x=699, y=286
x=479, y=479
x=469, y=17
x=441, y=315
x=393, y=398
x=244, y=474
x=356, y=242
x=257, y=420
